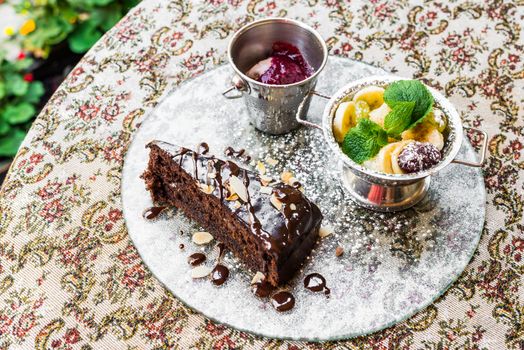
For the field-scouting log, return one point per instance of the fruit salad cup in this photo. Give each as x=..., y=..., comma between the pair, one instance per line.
x=373, y=179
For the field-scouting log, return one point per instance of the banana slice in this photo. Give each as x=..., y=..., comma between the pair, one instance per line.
x=425, y=132
x=379, y=114
x=438, y=119
x=399, y=146
x=372, y=95
x=344, y=119
x=382, y=161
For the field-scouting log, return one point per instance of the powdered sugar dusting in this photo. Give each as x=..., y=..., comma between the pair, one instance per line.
x=393, y=264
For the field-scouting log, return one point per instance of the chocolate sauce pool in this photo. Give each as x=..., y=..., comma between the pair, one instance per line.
x=283, y=301
x=315, y=282
x=153, y=212
x=196, y=259
x=219, y=274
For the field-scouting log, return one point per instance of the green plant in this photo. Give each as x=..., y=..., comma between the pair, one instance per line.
x=80, y=22
x=19, y=95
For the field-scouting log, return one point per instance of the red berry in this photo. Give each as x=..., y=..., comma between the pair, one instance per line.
x=28, y=77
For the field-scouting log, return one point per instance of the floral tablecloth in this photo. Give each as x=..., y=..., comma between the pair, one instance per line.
x=70, y=277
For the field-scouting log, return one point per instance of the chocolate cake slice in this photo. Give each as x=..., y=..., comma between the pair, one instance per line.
x=270, y=227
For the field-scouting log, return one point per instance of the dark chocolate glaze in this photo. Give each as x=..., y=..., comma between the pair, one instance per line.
x=262, y=289
x=196, y=259
x=153, y=212
x=283, y=301
x=280, y=232
x=219, y=274
x=315, y=282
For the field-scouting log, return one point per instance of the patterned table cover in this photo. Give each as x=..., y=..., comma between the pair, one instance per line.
x=70, y=277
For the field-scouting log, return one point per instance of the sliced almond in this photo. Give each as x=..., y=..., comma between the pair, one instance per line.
x=238, y=187
x=202, y=237
x=265, y=180
x=201, y=271
x=207, y=189
x=325, y=231
x=211, y=175
x=259, y=277
x=271, y=161
x=339, y=251
x=292, y=206
x=232, y=197
x=261, y=168
x=266, y=190
x=237, y=205
x=276, y=202
x=285, y=176
x=292, y=180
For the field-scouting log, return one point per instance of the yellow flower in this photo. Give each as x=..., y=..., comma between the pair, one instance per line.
x=27, y=27
x=9, y=31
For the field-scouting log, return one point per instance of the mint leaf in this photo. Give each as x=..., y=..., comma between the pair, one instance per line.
x=410, y=91
x=399, y=118
x=364, y=141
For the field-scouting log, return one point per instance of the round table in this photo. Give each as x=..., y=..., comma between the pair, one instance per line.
x=69, y=274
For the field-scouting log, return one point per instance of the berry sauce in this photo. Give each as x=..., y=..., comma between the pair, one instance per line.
x=288, y=66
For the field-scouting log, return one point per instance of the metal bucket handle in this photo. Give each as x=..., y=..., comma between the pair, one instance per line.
x=476, y=164
x=239, y=85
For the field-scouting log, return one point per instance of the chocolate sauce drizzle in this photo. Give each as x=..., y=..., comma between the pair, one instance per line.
x=219, y=274
x=241, y=153
x=315, y=282
x=153, y=212
x=283, y=301
x=196, y=259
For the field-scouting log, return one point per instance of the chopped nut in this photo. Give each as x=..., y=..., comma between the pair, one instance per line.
x=238, y=187
x=271, y=161
x=261, y=168
x=265, y=180
x=325, y=231
x=339, y=251
x=292, y=180
x=207, y=189
x=259, y=276
x=201, y=271
x=232, y=197
x=276, y=203
x=202, y=237
x=285, y=176
x=292, y=206
x=266, y=190
x=211, y=175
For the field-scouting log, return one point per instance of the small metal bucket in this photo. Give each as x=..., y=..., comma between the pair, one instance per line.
x=272, y=108
x=390, y=192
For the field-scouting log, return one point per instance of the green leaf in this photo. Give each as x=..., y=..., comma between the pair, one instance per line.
x=410, y=91
x=16, y=85
x=20, y=65
x=2, y=90
x=364, y=141
x=34, y=92
x=399, y=118
x=4, y=127
x=19, y=113
x=85, y=36
x=10, y=142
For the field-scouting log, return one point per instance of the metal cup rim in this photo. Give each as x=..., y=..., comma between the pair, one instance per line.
x=264, y=21
x=393, y=179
